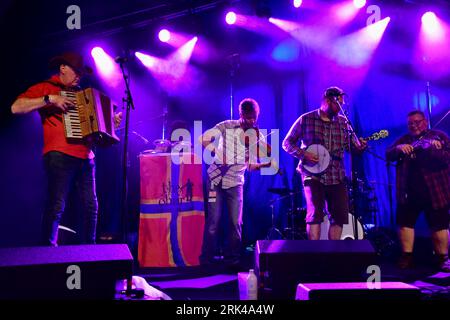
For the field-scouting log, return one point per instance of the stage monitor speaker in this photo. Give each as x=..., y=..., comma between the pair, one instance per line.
x=64, y=272
x=282, y=264
x=357, y=291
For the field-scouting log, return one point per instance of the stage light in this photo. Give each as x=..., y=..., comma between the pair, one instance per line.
x=147, y=60
x=164, y=35
x=359, y=3
x=297, y=3
x=230, y=18
x=432, y=27
x=103, y=61
x=429, y=19
x=357, y=48
x=106, y=66
x=97, y=52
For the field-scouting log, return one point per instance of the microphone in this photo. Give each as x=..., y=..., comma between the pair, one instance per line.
x=120, y=59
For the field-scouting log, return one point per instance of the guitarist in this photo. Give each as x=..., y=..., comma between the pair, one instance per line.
x=325, y=127
x=226, y=178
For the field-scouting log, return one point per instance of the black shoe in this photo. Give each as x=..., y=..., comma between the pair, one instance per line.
x=443, y=263
x=405, y=261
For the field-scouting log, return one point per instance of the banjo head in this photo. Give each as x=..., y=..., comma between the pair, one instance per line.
x=324, y=159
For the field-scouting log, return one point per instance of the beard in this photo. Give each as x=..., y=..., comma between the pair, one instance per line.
x=331, y=113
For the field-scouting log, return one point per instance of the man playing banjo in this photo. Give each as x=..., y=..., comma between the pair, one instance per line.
x=319, y=138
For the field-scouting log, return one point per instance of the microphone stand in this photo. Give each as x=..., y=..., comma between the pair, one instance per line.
x=130, y=105
x=233, y=61
x=353, y=175
x=391, y=202
x=429, y=104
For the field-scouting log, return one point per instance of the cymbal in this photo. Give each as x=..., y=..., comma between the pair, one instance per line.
x=280, y=191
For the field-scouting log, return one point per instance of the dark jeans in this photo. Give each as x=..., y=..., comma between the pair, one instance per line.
x=234, y=201
x=66, y=174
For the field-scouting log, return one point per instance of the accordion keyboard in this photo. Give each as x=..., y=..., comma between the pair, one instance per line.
x=72, y=118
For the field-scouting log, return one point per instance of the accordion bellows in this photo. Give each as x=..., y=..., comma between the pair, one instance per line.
x=92, y=119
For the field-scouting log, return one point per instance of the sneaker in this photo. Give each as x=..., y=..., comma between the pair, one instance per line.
x=405, y=261
x=443, y=263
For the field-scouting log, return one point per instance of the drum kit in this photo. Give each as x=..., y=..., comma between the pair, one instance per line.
x=295, y=229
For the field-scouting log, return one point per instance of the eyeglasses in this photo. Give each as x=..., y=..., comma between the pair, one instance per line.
x=415, y=122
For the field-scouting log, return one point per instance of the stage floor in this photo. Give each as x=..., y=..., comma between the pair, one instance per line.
x=221, y=283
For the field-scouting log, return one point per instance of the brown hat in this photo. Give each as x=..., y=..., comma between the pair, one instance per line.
x=333, y=92
x=72, y=59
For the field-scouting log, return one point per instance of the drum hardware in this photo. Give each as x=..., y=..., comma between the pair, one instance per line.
x=292, y=232
x=273, y=232
x=347, y=229
x=280, y=191
x=289, y=232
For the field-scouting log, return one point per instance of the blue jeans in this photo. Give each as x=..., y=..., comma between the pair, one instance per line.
x=233, y=198
x=65, y=174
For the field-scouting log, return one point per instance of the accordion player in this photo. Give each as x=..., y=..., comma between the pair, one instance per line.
x=92, y=118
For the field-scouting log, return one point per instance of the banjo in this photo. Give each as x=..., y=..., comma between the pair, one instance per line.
x=325, y=157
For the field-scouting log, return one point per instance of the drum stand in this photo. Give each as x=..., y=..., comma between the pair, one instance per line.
x=274, y=233
x=290, y=231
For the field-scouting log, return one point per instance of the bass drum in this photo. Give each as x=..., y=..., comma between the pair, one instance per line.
x=348, y=231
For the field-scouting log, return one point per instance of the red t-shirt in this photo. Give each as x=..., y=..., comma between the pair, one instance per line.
x=52, y=122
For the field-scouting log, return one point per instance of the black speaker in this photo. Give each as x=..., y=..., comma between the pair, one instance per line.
x=357, y=291
x=64, y=272
x=282, y=264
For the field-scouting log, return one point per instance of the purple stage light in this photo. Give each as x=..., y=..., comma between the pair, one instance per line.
x=146, y=59
x=164, y=35
x=359, y=3
x=429, y=18
x=103, y=61
x=184, y=53
x=230, y=18
x=106, y=67
x=297, y=3
x=356, y=49
x=432, y=27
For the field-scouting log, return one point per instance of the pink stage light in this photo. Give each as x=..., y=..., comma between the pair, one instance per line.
x=344, y=12
x=356, y=49
x=106, y=66
x=146, y=59
x=164, y=35
x=104, y=63
x=184, y=53
x=429, y=18
x=230, y=18
x=174, y=66
x=297, y=3
x=432, y=27
x=172, y=71
x=432, y=54
x=359, y=3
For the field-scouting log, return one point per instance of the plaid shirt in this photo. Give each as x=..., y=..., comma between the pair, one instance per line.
x=333, y=135
x=437, y=177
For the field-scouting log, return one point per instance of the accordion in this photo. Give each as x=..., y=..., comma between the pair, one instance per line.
x=92, y=118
